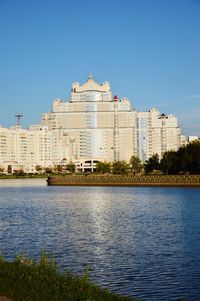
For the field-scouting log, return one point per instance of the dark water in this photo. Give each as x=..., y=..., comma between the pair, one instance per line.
x=141, y=242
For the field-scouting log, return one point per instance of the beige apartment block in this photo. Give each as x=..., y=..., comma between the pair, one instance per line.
x=91, y=126
x=157, y=133
x=24, y=150
x=95, y=126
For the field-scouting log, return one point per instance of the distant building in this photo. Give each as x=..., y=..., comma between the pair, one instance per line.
x=156, y=133
x=23, y=150
x=184, y=141
x=192, y=138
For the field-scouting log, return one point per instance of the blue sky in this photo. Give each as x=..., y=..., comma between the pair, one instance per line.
x=149, y=51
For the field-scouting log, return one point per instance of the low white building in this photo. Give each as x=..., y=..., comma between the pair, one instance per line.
x=192, y=138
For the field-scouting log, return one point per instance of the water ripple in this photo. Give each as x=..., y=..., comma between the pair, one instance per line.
x=142, y=242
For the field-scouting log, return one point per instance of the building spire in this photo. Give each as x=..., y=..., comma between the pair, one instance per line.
x=90, y=76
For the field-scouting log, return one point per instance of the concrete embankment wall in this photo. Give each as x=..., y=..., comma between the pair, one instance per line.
x=129, y=180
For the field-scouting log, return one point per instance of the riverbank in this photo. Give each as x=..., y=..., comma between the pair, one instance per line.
x=125, y=180
x=25, y=279
x=26, y=176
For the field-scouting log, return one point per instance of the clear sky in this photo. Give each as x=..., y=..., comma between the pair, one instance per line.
x=149, y=51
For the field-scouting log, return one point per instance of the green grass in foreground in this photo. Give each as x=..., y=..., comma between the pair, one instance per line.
x=25, y=279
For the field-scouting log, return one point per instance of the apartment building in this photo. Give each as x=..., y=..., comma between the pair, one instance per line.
x=25, y=149
x=95, y=126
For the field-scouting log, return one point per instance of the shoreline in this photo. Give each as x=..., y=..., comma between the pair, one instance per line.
x=23, y=177
x=110, y=180
x=125, y=180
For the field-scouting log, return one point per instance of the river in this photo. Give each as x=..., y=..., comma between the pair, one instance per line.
x=141, y=242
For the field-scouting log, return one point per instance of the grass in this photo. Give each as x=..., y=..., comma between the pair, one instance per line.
x=24, y=279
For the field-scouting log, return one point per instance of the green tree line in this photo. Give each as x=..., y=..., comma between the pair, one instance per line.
x=184, y=160
x=120, y=167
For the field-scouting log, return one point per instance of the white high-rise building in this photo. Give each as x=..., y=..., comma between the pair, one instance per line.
x=92, y=126
x=157, y=133
x=95, y=126
x=24, y=150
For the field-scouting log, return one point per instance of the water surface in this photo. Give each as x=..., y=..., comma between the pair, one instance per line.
x=142, y=242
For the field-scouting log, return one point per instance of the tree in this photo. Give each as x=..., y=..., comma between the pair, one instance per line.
x=103, y=167
x=58, y=168
x=71, y=167
x=136, y=164
x=120, y=167
x=39, y=168
x=185, y=160
x=48, y=169
x=1, y=170
x=191, y=156
x=152, y=164
x=19, y=172
x=169, y=162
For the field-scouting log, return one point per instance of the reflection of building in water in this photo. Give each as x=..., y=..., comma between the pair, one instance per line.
x=92, y=126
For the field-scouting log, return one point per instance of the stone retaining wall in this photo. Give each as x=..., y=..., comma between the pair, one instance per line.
x=121, y=180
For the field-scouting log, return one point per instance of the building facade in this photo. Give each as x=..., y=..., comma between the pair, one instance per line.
x=25, y=150
x=95, y=126
x=92, y=126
